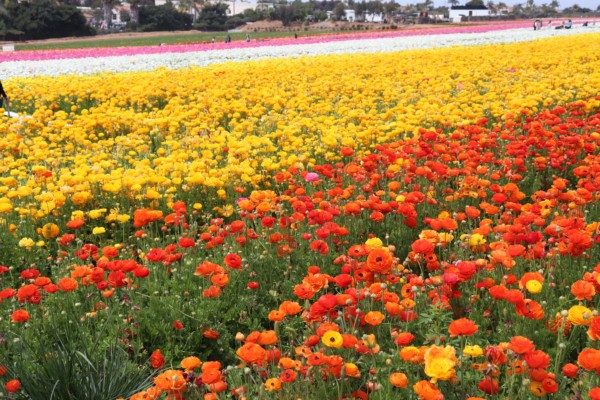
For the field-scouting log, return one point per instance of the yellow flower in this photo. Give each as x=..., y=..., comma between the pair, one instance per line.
x=332, y=339
x=94, y=214
x=473, y=351
x=580, y=315
x=99, y=230
x=533, y=286
x=440, y=362
x=476, y=239
x=122, y=218
x=26, y=242
x=374, y=243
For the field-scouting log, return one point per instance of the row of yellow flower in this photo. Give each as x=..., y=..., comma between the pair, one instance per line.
x=148, y=134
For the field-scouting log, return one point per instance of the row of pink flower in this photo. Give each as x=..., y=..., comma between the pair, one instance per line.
x=37, y=55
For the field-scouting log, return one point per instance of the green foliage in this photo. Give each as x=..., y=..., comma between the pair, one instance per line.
x=213, y=17
x=75, y=361
x=164, y=18
x=45, y=19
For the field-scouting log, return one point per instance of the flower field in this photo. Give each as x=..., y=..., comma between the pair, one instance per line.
x=417, y=224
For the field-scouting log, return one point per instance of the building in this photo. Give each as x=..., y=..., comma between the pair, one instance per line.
x=457, y=13
x=238, y=7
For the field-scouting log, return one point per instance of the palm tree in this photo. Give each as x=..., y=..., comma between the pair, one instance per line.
x=492, y=7
x=189, y=6
x=531, y=7
x=107, y=6
x=453, y=3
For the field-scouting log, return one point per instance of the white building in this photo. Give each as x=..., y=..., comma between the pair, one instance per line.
x=238, y=7
x=458, y=12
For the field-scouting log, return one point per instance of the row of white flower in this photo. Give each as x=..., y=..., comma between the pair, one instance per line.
x=145, y=62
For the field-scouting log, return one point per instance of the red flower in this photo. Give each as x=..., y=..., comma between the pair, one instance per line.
x=233, y=261
x=12, y=386
x=570, y=370
x=422, y=246
x=178, y=325
x=156, y=359
x=20, y=316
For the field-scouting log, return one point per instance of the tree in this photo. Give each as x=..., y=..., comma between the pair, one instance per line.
x=492, y=7
x=135, y=5
x=374, y=7
x=46, y=19
x=475, y=3
x=339, y=12
x=389, y=9
x=213, y=17
x=165, y=18
x=453, y=2
x=107, y=6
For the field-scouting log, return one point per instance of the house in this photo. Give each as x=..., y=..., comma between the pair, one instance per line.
x=238, y=7
x=457, y=13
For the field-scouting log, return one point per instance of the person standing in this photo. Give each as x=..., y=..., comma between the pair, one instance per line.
x=4, y=101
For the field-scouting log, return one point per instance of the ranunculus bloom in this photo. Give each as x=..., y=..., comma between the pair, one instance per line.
x=156, y=359
x=251, y=353
x=20, y=316
x=521, y=345
x=427, y=391
x=12, y=385
x=398, y=379
x=190, y=363
x=570, y=370
x=462, y=327
x=589, y=359
x=332, y=339
x=580, y=315
x=171, y=380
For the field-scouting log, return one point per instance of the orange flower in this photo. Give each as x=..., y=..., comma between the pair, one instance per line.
x=267, y=338
x=594, y=331
x=211, y=375
x=67, y=284
x=171, y=380
x=190, y=363
x=251, y=353
x=379, y=261
x=462, y=327
x=276, y=315
x=589, y=359
x=399, y=380
x=273, y=384
x=427, y=391
x=583, y=290
x=304, y=291
x=374, y=318
x=530, y=309
x=521, y=345
x=290, y=307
